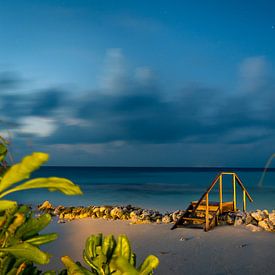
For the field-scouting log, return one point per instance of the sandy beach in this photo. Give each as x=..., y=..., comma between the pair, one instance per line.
x=224, y=250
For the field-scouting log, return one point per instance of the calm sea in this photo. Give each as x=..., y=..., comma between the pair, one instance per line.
x=165, y=189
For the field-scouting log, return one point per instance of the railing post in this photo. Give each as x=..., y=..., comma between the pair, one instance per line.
x=220, y=192
x=234, y=192
x=207, y=213
x=244, y=201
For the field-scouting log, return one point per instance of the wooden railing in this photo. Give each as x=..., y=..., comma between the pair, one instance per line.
x=219, y=178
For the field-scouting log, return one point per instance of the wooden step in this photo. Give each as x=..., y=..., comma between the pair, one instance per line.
x=192, y=220
x=214, y=206
x=202, y=207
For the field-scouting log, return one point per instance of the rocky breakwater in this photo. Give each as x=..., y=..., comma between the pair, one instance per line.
x=255, y=221
x=130, y=213
x=258, y=220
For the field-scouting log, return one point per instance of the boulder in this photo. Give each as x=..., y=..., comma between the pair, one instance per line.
x=265, y=214
x=271, y=218
x=46, y=205
x=166, y=219
x=116, y=213
x=248, y=219
x=230, y=219
x=258, y=215
x=238, y=221
x=253, y=228
x=264, y=224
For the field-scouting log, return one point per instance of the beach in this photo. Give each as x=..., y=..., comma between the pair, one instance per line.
x=223, y=250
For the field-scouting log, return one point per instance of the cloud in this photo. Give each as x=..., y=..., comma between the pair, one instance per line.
x=37, y=103
x=132, y=108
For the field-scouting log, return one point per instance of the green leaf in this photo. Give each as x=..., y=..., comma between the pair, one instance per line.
x=22, y=170
x=91, y=243
x=3, y=151
x=4, y=205
x=133, y=259
x=108, y=246
x=52, y=184
x=120, y=266
x=150, y=263
x=42, y=239
x=72, y=267
x=33, y=226
x=90, y=262
x=28, y=252
x=123, y=247
x=6, y=264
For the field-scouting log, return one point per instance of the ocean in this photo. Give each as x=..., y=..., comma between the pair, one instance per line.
x=164, y=189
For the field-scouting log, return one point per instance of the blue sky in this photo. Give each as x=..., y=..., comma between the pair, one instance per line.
x=139, y=83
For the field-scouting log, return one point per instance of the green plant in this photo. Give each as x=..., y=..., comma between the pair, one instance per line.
x=3, y=153
x=20, y=236
x=19, y=229
x=3, y=149
x=107, y=256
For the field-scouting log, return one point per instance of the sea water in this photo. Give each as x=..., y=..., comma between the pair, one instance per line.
x=164, y=189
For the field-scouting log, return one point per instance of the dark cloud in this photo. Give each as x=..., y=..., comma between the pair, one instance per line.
x=45, y=102
x=197, y=114
x=136, y=112
x=38, y=103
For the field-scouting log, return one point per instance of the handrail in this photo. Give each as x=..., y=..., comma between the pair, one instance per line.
x=244, y=189
x=213, y=184
x=206, y=192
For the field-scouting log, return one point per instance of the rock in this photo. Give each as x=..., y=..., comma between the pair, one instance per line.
x=145, y=214
x=238, y=221
x=96, y=209
x=271, y=218
x=265, y=214
x=58, y=210
x=258, y=215
x=46, y=205
x=248, y=219
x=253, y=228
x=230, y=219
x=166, y=219
x=116, y=213
x=265, y=225
x=174, y=215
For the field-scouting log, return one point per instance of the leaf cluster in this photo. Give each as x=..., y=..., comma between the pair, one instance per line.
x=106, y=256
x=20, y=236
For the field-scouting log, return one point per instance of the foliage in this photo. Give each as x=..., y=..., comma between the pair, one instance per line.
x=19, y=229
x=3, y=153
x=20, y=236
x=3, y=148
x=107, y=256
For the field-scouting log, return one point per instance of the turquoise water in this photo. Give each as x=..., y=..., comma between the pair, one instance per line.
x=165, y=189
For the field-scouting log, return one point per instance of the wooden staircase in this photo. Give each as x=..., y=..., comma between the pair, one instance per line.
x=204, y=213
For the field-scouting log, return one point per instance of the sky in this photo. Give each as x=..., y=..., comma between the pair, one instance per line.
x=139, y=83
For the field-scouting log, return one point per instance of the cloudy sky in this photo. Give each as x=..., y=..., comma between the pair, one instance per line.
x=139, y=83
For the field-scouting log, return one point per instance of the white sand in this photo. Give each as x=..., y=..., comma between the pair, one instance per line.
x=224, y=250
